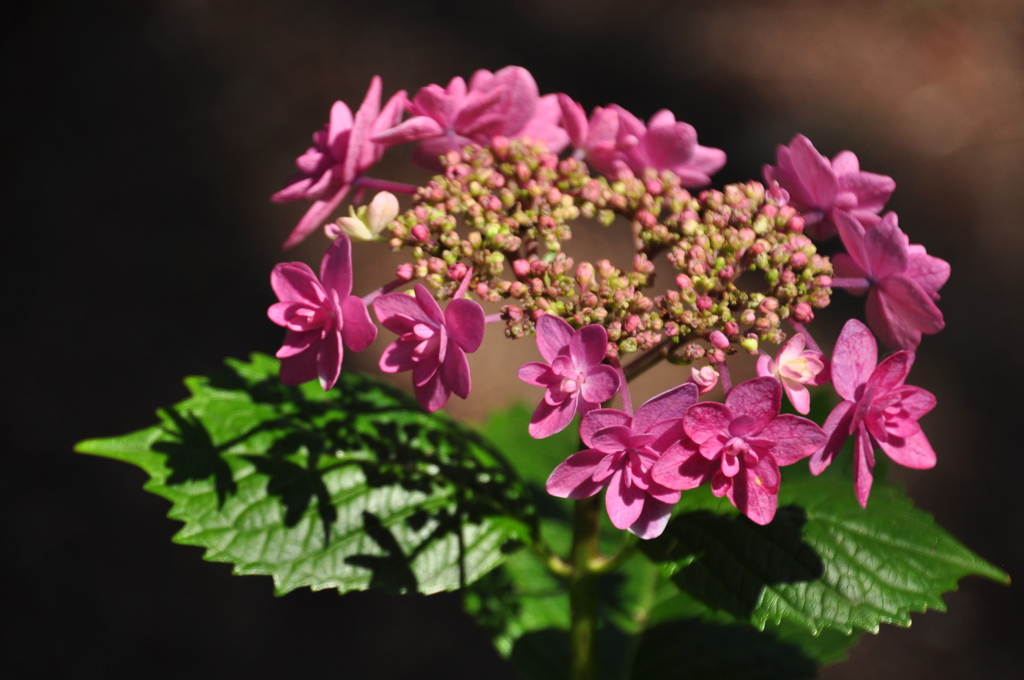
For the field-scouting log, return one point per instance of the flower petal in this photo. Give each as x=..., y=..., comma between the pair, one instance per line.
x=682, y=467
x=601, y=384
x=759, y=399
x=398, y=357
x=663, y=411
x=572, y=477
x=328, y=359
x=653, y=519
x=794, y=438
x=300, y=368
x=553, y=336
x=837, y=430
x=914, y=452
x=433, y=394
x=550, y=419
x=599, y=419
x=587, y=346
x=336, y=267
x=358, y=330
x=863, y=463
x=464, y=319
x=624, y=502
x=455, y=371
x=854, y=359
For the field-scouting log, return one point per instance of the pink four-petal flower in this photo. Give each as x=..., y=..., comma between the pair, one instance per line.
x=431, y=343
x=820, y=188
x=319, y=316
x=739, y=446
x=341, y=152
x=794, y=367
x=576, y=380
x=902, y=281
x=878, y=409
x=623, y=449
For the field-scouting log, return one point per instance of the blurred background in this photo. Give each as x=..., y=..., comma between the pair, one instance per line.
x=141, y=140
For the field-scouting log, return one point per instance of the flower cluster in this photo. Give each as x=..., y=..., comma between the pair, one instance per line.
x=745, y=270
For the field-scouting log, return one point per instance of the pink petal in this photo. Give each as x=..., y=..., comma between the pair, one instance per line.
x=653, y=519
x=541, y=375
x=624, y=502
x=433, y=394
x=601, y=384
x=766, y=366
x=844, y=163
x=455, y=371
x=794, y=438
x=863, y=463
x=916, y=401
x=336, y=267
x=913, y=452
x=399, y=312
x=872, y=191
x=550, y=419
x=300, y=368
x=315, y=216
x=361, y=124
x=429, y=152
x=854, y=359
x=891, y=373
x=754, y=492
x=759, y=399
x=798, y=396
x=587, y=346
x=553, y=336
x=815, y=171
x=296, y=342
x=604, y=126
x=854, y=237
x=545, y=125
x=429, y=305
x=837, y=430
x=666, y=146
x=906, y=298
x=464, y=319
x=296, y=282
x=574, y=119
x=390, y=116
x=572, y=477
x=682, y=467
x=600, y=419
x=358, y=330
x=706, y=420
x=613, y=439
x=664, y=410
x=438, y=103
x=287, y=314
x=929, y=272
x=398, y=357
x=520, y=100
x=340, y=123
x=885, y=246
x=845, y=267
x=328, y=360
x=415, y=129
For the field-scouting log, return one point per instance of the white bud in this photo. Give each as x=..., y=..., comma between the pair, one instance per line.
x=383, y=209
x=354, y=227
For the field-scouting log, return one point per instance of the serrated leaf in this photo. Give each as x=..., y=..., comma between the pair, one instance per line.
x=823, y=563
x=349, y=489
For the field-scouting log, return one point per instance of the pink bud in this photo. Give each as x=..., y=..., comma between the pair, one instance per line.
x=405, y=271
x=718, y=339
x=521, y=268
x=421, y=233
x=704, y=303
x=731, y=328
x=684, y=282
x=457, y=271
x=802, y=312
x=798, y=259
x=705, y=379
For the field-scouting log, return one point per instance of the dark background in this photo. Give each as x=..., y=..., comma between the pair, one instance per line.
x=141, y=141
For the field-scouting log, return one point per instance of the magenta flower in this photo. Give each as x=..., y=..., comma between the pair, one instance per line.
x=877, y=408
x=819, y=188
x=662, y=144
x=319, y=315
x=431, y=344
x=341, y=152
x=503, y=103
x=622, y=451
x=902, y=281
x=739, y=446
x=794, y=367
x=577, y=381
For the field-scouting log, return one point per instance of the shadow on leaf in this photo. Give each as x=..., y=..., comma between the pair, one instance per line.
x=192, y=456
x=727, y=561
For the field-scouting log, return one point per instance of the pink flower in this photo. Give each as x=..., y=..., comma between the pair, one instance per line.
x=577, y=381
x=431, y=344
x=622, y=451
x=795, y=367
x=819, y=188
x=739, y=446
x=662, y=144
x=878, y=408
x=705, y=378
x=901, y=280
x=503, y=103
x=319, y=315
x=341, y=152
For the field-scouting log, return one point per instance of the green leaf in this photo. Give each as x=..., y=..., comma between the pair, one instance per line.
x=349, y=489
x=824, y=563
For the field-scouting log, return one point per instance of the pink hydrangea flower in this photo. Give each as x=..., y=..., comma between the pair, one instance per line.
x=431, y=343
x=662, y=144
x=319, y=315
x=739, y=446
x=577, y=380
x=902, y=281
x=878, y=409
x=622, y=451
x=503, y=103
x=819, y=188
x=341, y=152
x=704, y=378
x=794, y=367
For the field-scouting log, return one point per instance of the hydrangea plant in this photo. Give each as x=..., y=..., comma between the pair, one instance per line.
x=707, y=555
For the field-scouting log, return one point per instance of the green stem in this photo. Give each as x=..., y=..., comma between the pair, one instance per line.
x=583, y=589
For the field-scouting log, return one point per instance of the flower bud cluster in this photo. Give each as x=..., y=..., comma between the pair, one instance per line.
x=505, y=212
